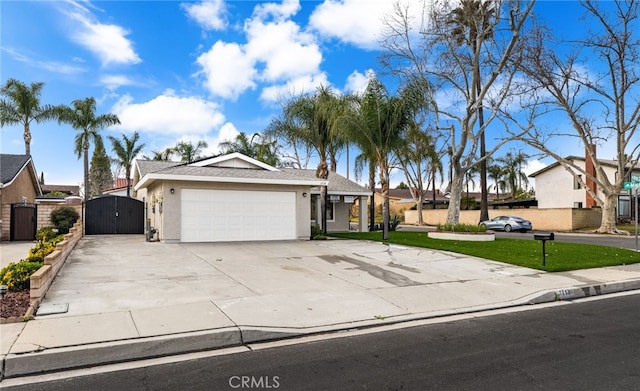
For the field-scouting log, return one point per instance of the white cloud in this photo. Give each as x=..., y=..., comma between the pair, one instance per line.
x=227, y=132
x=280, y=11
x=277, y=52
x=168, y=114
x=209, y=14
x=294, y=87
x=50, y=66
x=285, y=50
x=357, y=81
x=112, y=82
x=359, y=22
x=107, y=41
x=227, y=69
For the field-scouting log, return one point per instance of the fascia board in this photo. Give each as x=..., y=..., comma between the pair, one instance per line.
x=194, y=178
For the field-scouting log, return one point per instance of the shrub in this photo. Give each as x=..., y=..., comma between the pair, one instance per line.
x=43, y=248
x=460, y=228
x=46, y=233
x=317, y=233
x=64, y=218
x=16, y=276
x=394, y=221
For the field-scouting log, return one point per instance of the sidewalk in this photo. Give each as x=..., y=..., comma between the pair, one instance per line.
x=129, y=299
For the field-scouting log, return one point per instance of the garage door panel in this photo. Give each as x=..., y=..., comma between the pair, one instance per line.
x=233, y=215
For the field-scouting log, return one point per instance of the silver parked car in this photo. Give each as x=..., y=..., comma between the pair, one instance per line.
x=508, y=224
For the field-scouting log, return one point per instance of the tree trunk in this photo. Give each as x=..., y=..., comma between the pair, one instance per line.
x=86, y=171
x=608, y=223
x=372, y=205
x=453, y=213
x=384, y=184
x=419, y=208
x=27, y=140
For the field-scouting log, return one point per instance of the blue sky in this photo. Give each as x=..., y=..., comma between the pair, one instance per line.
x=187, y=70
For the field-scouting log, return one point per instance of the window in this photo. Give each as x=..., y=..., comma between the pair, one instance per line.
x=576, y=182
x=624, y=206
x=315, y=203
x=577, y=205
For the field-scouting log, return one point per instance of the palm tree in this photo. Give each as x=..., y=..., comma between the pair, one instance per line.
x=126, y=150
x=22, y=107
x=164, y=155
x=82, y=117
x=469, y=177
x=188, y=152
x=513, y=174
x=377, y=126
x=264, y=151
x=314, y=118
x=495, y=172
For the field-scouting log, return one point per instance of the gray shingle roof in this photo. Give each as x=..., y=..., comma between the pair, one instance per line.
x=10, y=166
x=337, y=183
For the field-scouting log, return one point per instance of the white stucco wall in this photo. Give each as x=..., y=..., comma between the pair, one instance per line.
x=169, y=219
x=554, y=188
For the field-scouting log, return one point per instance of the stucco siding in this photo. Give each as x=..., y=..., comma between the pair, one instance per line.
x=166, y=215
x=22, y=185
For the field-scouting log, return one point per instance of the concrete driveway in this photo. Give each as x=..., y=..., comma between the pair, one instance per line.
x=14, y=251
x=261, y=281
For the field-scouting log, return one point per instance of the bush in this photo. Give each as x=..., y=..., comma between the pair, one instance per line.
x=46, y=233
x=460, y=228
x=16, y=276
x=43, y=248
x=317, y=233
x=64, y=218
x=394, y=221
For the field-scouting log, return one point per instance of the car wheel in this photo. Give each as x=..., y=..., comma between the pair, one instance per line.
x=507, y=228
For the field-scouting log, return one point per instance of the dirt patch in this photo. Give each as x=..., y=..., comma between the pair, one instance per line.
x=14, y=304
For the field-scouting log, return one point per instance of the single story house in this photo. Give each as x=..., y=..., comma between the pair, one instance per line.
x=19, y=188
x=236, y=198
x=557, y=188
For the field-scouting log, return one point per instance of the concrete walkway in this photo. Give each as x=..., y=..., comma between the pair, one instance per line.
x=14, y=252
x=120, y=298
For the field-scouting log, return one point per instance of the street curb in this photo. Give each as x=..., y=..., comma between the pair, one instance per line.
x=83, y=356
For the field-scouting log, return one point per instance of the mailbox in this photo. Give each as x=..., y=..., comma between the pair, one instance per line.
x=544, y=237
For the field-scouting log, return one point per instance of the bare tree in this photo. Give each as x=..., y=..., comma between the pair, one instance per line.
x=424, y=48
x=599, y=98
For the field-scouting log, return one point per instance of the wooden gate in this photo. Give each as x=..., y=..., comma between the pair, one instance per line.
x=110, y=215
x=23, y=221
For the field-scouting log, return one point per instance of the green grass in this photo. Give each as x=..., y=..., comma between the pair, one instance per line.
x=527, y=253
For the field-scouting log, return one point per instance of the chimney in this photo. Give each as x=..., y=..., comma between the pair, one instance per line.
x=590, y=169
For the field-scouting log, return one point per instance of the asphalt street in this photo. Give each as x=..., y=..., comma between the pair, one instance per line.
x=621, y=241
x=581, y=345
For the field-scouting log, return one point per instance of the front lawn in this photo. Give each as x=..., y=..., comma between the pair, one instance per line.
x=527, y=253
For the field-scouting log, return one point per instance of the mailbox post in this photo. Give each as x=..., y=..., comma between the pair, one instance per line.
x=544, y=237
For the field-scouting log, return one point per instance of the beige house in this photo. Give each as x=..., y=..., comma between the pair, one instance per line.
x=236, y=198
x=19, y=188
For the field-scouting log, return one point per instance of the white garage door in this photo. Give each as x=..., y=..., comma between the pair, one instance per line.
x=233, y=215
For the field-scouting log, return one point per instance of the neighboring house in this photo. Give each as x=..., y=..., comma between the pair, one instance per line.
x=68, y=190
x=399, y=201
x=236, y=198
x=119, y=187
x=18, y=192
x=557, y=188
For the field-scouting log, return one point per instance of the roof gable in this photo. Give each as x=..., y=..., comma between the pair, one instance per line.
x=12, y=165
x=234, y=160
